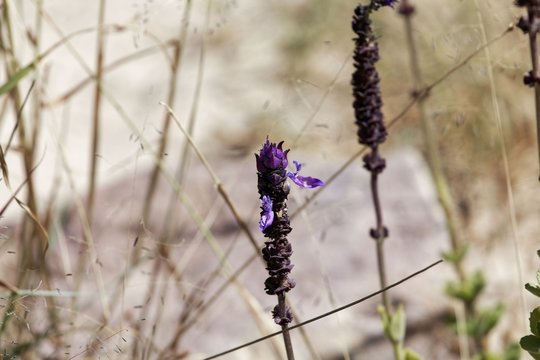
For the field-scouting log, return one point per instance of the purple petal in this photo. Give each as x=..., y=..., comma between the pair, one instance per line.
x=267, y=215
x=297, y=165
x=305, y=181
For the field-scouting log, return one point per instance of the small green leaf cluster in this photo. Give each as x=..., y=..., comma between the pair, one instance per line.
x=479, y=322
x=512, y=352
x=468, y=289
x=531, y=343
x=394, y=326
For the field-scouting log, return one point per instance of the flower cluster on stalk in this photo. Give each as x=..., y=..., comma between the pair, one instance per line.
x=530, y=24
x=366, y=86
x=272, y=175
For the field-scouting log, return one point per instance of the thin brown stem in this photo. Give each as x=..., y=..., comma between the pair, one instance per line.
x=533, y=12
x=175, y=68
x=285, y=328
x=432, y=153
x=379, y=234
x=381, y=268
x=96, y=111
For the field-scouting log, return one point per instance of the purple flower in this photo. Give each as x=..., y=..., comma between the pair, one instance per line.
x=271, y=157
x=376, y=4
x=303, y=181
x=267, y=214
x=274, y=222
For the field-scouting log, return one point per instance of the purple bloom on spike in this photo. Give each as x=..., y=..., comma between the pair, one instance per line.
x=271, y=157
x=267, y=215
x=274, y=221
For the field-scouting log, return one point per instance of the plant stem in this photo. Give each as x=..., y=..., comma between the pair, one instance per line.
x=506, y=163
x=96, y=111
x=533, y=12
x=381, y=267
x=285, y=328
x=432, y=153
x=175, y=69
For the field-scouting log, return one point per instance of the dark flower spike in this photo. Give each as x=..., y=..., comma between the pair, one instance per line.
x=273, y=189
x=365, y=81
x=267, y=215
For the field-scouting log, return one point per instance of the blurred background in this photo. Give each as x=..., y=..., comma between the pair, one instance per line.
x=114, y=233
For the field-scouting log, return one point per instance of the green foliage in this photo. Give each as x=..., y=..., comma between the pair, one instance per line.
x=456, y=256
x=484, y=321
x=533, y=289
x=18, y=76
x=411, y=355
x=467, y=290
x=512, y=352
x=531, y=343
x=393, y=325
x=534, y=321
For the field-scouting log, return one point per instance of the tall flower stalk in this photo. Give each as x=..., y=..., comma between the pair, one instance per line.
x=531, y=25
x=272, y=175
x=372, y=133
x=474, y=325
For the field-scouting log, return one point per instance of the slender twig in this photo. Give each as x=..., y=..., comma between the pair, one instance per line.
x=430, y=138
x=175, y=68
x=285, y=329
x=533, y=13
x=110, y=67
x=381, y=268
x=217, y=181
x=96, y=112
x=319, y=317
x=504, y=154
x=445, y=198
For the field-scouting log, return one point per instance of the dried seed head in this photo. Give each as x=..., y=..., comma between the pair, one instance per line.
x=365, y=81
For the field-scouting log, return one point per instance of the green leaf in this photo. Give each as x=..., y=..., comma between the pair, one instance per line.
x=531, y=344
x=468, y=289
x=457, y=255
x=538, y=277
x=411, y=355
x=512, y=352
x=393, y=325
x=486, y=357
x=534, y=321
x=384, y=317
x=398, y=325
x=485, y=321
x=18, y=76
x=533, y=289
